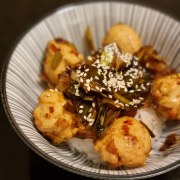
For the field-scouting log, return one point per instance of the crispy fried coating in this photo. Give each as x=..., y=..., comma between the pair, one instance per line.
x=52, y=119
x=166, y=94
x=125, y=37
x=60, y=55
x=125, y=142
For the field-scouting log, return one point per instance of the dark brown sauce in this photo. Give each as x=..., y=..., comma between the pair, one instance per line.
x=131, y=112
x=170, y=140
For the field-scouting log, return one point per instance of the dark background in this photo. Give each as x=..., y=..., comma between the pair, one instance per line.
x=17, y=161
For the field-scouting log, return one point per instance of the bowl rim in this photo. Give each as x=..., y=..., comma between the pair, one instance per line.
x=14, y=124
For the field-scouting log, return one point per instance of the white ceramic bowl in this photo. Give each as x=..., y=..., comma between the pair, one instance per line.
x=21, y=85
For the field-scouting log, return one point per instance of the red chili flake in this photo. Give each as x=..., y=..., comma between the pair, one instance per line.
x=132, y=138
x=128, y=122
x=126, y=125
x=51, y=109
x=47, y=115
x=125, y=129
x=54, y=48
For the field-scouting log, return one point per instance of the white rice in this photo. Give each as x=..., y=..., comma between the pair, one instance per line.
x=85, y=146
x=153, y=120
x=147, y=115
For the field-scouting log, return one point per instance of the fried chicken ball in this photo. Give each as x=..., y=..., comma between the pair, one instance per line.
x=52, y=119
x=126, y=142
x=125, y=37
x=166, y=94
x=60, y=55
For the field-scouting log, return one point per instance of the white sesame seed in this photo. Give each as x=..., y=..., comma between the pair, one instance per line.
x=88, y=88
x=81, y=80
x=109, y=89
x=134, y=77
x=135, y=101
x=91, y=123
x=110, y=96
x=121, y=104
x=90, y=58
x=80, y=111
x=97, y=87
x=135, y=63
x=90, y=110
x=89, y=115
x=86, y=70
x=77, y=92
x=131, y=91
x=88, y=80
x=82, y=74
x=97, y=61
x=78, y=71
x=96, y=77
x=81, y=106
x=116, y=101
x=143, y=87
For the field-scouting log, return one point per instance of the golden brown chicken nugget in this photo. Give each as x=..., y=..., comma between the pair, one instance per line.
x=52, y=119
x=60, y=55
x=125, y=142
x=125, y=37
x=166, y=94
